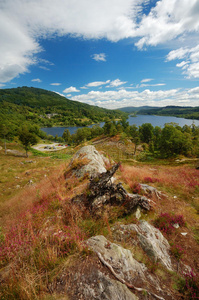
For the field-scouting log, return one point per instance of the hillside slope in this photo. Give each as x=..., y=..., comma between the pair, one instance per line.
x=57, y=244
x=176, y=111
x=46, y=109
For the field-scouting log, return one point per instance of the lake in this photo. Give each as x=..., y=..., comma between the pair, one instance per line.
x=138, y=120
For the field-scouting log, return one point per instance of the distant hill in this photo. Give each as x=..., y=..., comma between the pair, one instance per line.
x=131, y=109
x=187, y=112
x=45, y=109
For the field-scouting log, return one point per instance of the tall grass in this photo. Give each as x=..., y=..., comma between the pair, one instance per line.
x=40, y=230
x=181, y=180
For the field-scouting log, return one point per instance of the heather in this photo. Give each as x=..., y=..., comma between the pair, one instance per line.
x=43, y=233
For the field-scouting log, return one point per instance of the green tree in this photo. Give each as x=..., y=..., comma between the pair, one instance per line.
x=27, y=138
x=156, y=137
x=134, y=134
x=66, y=136
x=173, y=141
x=4, y=132
x=146, y=132
x=110, y=128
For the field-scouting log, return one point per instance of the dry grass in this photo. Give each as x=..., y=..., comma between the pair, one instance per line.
x=42, y=230
x=180, y=187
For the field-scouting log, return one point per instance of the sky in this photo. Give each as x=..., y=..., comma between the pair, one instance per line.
x=109, y=53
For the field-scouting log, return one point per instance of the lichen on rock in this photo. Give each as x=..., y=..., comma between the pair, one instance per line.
x=88, y=161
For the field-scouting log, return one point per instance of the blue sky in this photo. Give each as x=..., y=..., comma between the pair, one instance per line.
x=110, y=53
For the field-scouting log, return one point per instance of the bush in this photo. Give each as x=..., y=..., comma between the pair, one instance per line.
x=177, y=251
x=190, y=286
x=136, y=188
x=150, y=180
x=166, y=221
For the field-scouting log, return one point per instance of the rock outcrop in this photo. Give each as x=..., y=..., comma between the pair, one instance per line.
x=125, y=268
x=96, y=285
x=117, y=274
x=150, y=239
x=90, y=160
x=121, y=259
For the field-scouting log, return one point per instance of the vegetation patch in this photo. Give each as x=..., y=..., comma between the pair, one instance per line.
x=165, y=222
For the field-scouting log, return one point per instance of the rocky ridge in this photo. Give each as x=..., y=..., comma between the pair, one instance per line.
x=126, y=278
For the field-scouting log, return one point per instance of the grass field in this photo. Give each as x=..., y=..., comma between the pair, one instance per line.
x=42, y=233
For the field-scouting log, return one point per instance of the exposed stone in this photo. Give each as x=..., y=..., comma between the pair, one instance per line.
x=119, y=258
x=95, y=162
x=103, y=287
x=126, y=269
x=151, y=240
x=138, y=213
x=150, y=190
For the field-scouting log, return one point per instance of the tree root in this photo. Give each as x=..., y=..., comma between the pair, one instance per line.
x=130, y=286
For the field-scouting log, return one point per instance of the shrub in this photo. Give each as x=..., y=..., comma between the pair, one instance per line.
x=166, y=221
x=136, y=188
x=150, y=180
x=190, y=286
x=177, y=251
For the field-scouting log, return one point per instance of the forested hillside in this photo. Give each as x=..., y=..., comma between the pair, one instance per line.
x=45, y=109
x=175, y=111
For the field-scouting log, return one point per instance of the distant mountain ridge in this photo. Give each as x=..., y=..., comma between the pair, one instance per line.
x=187, y=112
x=130, y=109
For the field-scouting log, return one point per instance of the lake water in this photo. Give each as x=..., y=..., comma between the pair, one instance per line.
x=138, y=120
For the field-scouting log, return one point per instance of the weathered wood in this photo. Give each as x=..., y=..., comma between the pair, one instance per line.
x=102, y=191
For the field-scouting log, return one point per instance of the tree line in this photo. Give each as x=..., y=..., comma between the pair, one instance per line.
x=166, y=142
x=169, y=141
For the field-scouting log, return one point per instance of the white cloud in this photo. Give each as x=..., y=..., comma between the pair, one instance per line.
x=56, y=83
x=97, y=83
x=71, y=89
x=116, y=83
x=182, y=64
x=146, y=80
x=24, y=23
x=99, y=57
x=190, y=63
x=194, y=90
x=156, y=84
x=177, y=54
x=36, y=80
x=114, y=99
x=44, y=68
x=168, y=20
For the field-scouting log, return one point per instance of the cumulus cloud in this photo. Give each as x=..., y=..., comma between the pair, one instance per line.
x=190, y=63
x=71, y=89
x=116, y=83
x=168, y=20
x=121, y=98
x=24, y=23
x=36, y=80
x=99, y=57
